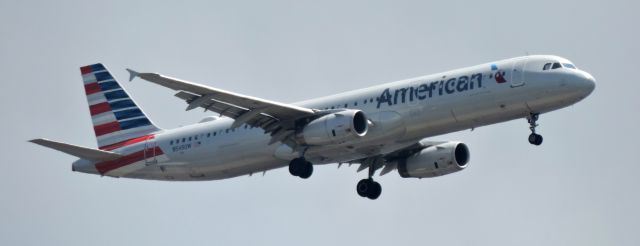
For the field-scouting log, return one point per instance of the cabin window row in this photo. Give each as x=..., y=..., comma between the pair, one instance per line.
x=346, y=105
x=208, y=135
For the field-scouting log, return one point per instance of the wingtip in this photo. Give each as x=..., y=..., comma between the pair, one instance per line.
x=132, y=74
x=38, y=141
x=35, y=140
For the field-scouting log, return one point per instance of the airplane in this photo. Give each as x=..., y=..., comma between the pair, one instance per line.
x=385, y=127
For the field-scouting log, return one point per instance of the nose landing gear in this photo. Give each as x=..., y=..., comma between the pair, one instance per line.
x=534, y=138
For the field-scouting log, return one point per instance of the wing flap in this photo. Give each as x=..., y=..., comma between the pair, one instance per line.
x=389, y=162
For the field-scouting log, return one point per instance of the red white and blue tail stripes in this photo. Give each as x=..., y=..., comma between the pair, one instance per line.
x=116, y=118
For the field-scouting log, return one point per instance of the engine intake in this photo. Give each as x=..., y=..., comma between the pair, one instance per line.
x=335, y=128
x=435, y=161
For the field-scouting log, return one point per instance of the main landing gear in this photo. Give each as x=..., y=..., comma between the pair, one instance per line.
x=534, y=138
x=300, y=167
x=369, y=188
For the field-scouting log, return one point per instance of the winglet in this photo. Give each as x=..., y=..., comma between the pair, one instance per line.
x=132, y=74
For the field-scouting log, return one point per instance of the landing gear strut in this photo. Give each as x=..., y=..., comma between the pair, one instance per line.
x=534, y=138
x=300, y=167
x=369, y=188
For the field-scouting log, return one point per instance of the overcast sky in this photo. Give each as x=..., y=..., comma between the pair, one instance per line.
x=579, y=188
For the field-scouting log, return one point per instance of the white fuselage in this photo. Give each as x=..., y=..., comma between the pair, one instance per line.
x=401, y=113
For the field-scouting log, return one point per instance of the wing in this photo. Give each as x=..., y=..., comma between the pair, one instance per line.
x=275, y=118
x=389, y=162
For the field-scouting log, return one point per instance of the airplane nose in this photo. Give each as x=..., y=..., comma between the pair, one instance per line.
x=588, y=83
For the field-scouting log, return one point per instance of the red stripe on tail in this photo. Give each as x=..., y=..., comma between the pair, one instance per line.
x=86, y=70
x=92, y=88
x=99, y=108
x=107, y=128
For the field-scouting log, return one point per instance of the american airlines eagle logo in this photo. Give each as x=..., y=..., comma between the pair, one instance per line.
x=499, y=74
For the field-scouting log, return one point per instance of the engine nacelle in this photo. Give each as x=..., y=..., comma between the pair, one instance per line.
x=335, y=128
x=435, y=161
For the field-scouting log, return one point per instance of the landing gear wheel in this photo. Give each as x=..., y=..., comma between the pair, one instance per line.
x=363, y=187
x=376, y=190
x=301, y=168
x=307, y=170
x=369, y=189
x=534, y=138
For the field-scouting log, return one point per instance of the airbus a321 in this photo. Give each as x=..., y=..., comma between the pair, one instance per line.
x=386, y=127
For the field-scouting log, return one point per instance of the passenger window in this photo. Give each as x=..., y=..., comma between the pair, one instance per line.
x=365, y=101
x=171, y=143
x=183, y=139
x=226, y=131
x=189, y=138
x=546, y=66
x=371, y=100
x=556, y=65
x=214, y=134
x=208, y=134
x=355, y=103
x=196, y=137
x=332, y=107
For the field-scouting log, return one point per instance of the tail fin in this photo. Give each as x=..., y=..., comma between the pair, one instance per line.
x=116, y=117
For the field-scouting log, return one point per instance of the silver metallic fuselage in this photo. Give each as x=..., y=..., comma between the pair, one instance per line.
x=528, y=89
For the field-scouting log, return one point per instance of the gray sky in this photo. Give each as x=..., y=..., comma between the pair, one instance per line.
x=578, y=188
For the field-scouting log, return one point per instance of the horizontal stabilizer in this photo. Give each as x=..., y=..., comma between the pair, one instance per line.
x=78, y=151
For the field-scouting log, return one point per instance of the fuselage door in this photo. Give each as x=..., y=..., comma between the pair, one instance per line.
x=150, y=152
x=517, y=73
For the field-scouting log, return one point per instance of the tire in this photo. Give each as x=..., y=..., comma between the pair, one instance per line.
x=538, y=140
x=363, y=187
x=294, y=168
x=306, y=169
x=375, y=191
x=532, y=138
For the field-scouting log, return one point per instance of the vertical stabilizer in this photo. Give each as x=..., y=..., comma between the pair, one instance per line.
x=116, y=117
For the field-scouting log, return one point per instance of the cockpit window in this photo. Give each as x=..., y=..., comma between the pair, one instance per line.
x=556, y=65
x=546, y=66
x=569, y=65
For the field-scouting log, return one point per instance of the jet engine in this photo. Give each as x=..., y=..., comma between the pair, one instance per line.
x=435, y=160
x=335, y=128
